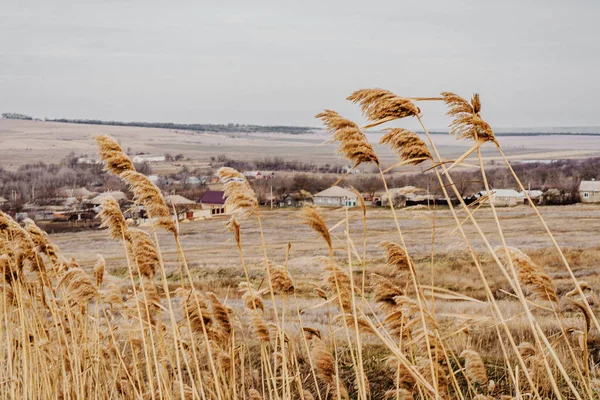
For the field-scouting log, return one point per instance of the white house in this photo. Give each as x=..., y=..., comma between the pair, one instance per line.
x=502, y=197
x=589, y=191
x=335, y=197
x=118, y=196
x=146, y=158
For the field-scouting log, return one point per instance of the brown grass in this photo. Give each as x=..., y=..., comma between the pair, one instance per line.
x=171, y=325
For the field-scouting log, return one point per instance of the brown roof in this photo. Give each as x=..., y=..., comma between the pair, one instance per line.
x=213, y=197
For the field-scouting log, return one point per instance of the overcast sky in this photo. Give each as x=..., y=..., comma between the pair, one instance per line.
x=535, y=63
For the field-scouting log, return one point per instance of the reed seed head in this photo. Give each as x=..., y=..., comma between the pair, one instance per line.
x=111, y=153
x=149, y=195
x=380, y=105
x=353, y=143
x=533, y=278
x=112, y=218
x=466, y=121
x=475, y=367
x=143, y=251
x=397, y=258
x=407, y=144
x=99, y=270
x=315, y=220
x=240, y=196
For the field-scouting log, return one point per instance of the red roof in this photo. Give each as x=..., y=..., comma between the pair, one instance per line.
x=213, y=197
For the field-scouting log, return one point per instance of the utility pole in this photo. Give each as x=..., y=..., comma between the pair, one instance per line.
x=271, y=197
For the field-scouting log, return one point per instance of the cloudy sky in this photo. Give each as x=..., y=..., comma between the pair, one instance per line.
x=535, y=63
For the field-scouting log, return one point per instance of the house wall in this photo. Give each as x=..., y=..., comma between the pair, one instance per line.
x=218, y=209
x=505, y=201
x=335, y=201
x=592, y=197
x=327, y=201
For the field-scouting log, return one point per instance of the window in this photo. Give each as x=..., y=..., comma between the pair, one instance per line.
x=586, y=195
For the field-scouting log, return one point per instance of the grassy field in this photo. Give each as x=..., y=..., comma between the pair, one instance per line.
x=469, y=302
x=215, y=263
x=49, y=142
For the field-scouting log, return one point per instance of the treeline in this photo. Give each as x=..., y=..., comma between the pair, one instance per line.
x=272, y=164
x=16, y=116
x=561, y=178
x=232, y=128
x=42, y=183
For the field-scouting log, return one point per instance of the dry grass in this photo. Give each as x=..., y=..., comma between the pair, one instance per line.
x=260, y=307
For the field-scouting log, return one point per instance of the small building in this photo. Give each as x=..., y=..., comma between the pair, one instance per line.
x=147, y=158
x=3, y=201
x=335, y=196
x=296, y=199
x=178, y=200
x=80, y=193
x=589, y=191
x=253, y=174
x=214, y=200
x=193, y=214
x=502, y=197
x=117, y=195
x=534, y=195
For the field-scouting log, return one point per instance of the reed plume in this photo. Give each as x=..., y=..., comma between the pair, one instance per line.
x=234, y=226
x=143, y=251
x=407, y=144
x=532, y=277
x=380, y=105
x=475, y=367
x=78, y=286
x=149, y=195
x=114, y=159
x=466, y=121
x=251, y=297
x=385, y=292
x=324, y=365
x=7, y=295
x=338, y=283
x=195, y=308
x=220, y=315
x=112, y=218
x=315, y=220
x=42, y=241
x=353, y=143
x=19, y=245
x=259, y=326
x=239, y=195
x=281, y=279
x=99, y=270
x=397, y=259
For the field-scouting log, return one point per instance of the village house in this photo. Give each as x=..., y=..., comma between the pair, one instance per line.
x=297, y=199
x=253, y=175
x=147, y=158
x=177, y=200
x=80, y=193
x=534, y=195
x=335, y=197
x=117, y=195
x=589, y=191
x=187, y=209
x=214, y=200
x=502, y=197
x=3, y=201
